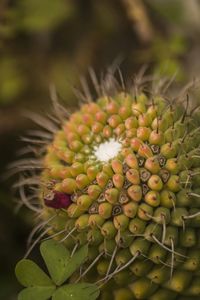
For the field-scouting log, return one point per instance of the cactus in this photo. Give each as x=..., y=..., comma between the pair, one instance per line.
x=122, y=175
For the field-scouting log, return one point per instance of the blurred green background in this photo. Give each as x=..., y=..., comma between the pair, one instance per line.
x=54, y=41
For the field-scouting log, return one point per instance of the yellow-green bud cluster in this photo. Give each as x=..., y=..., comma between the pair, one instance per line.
x=130, y=169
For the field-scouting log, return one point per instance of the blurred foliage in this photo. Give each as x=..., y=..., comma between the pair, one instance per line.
x=44, y=41
x=37, y=15
x=56, y=41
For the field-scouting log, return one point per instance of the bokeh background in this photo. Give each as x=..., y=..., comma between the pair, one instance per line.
x=44, y=42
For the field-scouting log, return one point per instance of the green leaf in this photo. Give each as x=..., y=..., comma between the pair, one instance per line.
x=29, y=274
x=76, y=260
x=56, y=257
x=83, y=291
x=36, y=293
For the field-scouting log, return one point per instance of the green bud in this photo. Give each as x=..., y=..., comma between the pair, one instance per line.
x=94, y=237
x=157, y=254
x=124, y=239
x=139, y=245
x=187, y=237
x=108, y=230
x=121, y=222
x=95, y=220
x=102, y=267
x=137, y=226
x=122, y=256
x=82, y=222
x=177, y=216
x=84, y=202
x=143, y=288
x=167, y=199
x=82, y=181
x=145, y=212
x=179, y=281
x=141, y=267
x=155, y=183
x=163, y=294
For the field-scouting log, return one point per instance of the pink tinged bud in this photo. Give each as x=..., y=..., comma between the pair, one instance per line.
x=112, y=108
x=131, y=133
x=156, y=137
x=102, y=179
x=70, y=135
x=94, y=191
x=131, y=161
x=130, y=209
x=68, y=156
x=125, y=151
x=152, y=164
x=114, y=121
x=93, y=108
x=145, y=151
x=131, y=122
x=144, y=120
x=57, y=200
x=124, y=112
x=135, y=193
x=112, y=195
x=101, y=117
x=107, y=131
x=119, y=130
x=87, y=119
x=97, y=127
x=135, y=144
x=117, y=166
x=143, y=133
x=65, y=172
x=118, y=180
x=105, y=210
x=82, y=129
x=133, y=176
x=75, y=145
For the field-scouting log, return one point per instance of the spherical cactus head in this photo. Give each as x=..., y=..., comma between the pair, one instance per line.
x=122, y=175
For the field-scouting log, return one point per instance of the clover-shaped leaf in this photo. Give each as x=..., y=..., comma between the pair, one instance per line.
x=56, y=258
x=76, y=260
x=39, y=286
x=83, y=291
x=36, y=293
x=29, y=274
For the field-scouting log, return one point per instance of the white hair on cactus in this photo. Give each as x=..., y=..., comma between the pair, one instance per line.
x=107, y=150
